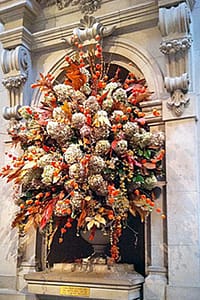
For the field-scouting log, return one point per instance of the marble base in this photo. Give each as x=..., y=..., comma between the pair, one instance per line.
x=183, y=293
x=116, y=282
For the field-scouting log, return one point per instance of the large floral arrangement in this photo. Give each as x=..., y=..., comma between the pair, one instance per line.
x=88, y=153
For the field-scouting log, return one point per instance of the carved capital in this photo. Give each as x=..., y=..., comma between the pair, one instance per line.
x=14, y=81
x=176, y=45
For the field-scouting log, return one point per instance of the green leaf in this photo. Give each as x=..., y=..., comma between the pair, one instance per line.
x=140, y=152
x=138, y=178
x=147, y=154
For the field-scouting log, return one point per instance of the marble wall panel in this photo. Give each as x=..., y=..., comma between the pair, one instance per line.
x=8, y=237
x=184, y=265
x=181, y=156
x=183, y=218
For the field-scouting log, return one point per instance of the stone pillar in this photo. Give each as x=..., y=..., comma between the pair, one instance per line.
x=181, y=128
x=174, y=25
x=156, y=281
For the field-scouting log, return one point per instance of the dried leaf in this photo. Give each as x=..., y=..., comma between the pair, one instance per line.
x=74, y=76
x=149, y=165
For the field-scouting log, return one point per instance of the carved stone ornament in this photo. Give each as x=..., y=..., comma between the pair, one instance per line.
x=16, y=64
x=176, y=45
x=177, y=87
x=178, y=102
x=174, y=20
x=174, y=25
x=14, y=81
x=85, y=6
x=12, y=113
x=89, y=27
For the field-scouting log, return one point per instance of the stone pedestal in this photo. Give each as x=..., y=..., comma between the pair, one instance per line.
x=75, y=282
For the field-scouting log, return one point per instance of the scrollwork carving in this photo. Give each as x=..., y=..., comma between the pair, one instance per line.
x=85, y=6
x=16, y=65
x=178, y=102
x=177, y=87
x=89, y=27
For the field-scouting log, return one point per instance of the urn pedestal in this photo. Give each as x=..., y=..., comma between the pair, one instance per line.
x=120, y=281
x=99, y=242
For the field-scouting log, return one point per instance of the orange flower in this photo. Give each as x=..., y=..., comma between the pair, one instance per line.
x=137, y=192
x=124, y=118
x=68, y=211
x=141, y=114
x=68, y=225
x=115, y=192
x=71, y=193
x=119, y=125
x=111, y=200
x=156, y=113
x=128, y=109
x=110, y=216
x=63, y=230
x=143, y=197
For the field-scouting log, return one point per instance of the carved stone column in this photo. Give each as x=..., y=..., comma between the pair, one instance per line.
x=16, y=66
x=174, y=25
x=156, y=281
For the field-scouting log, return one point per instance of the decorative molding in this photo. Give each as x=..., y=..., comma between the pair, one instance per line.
x=167, y=3
x=174, y=25
x=15, y=37
x=22, y=12
x=176, y=45
x=142, y=15
x=14, y=81
x=16, y=65
x=86, y=6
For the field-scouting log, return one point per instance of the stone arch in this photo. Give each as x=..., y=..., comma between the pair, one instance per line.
x=126, y=54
